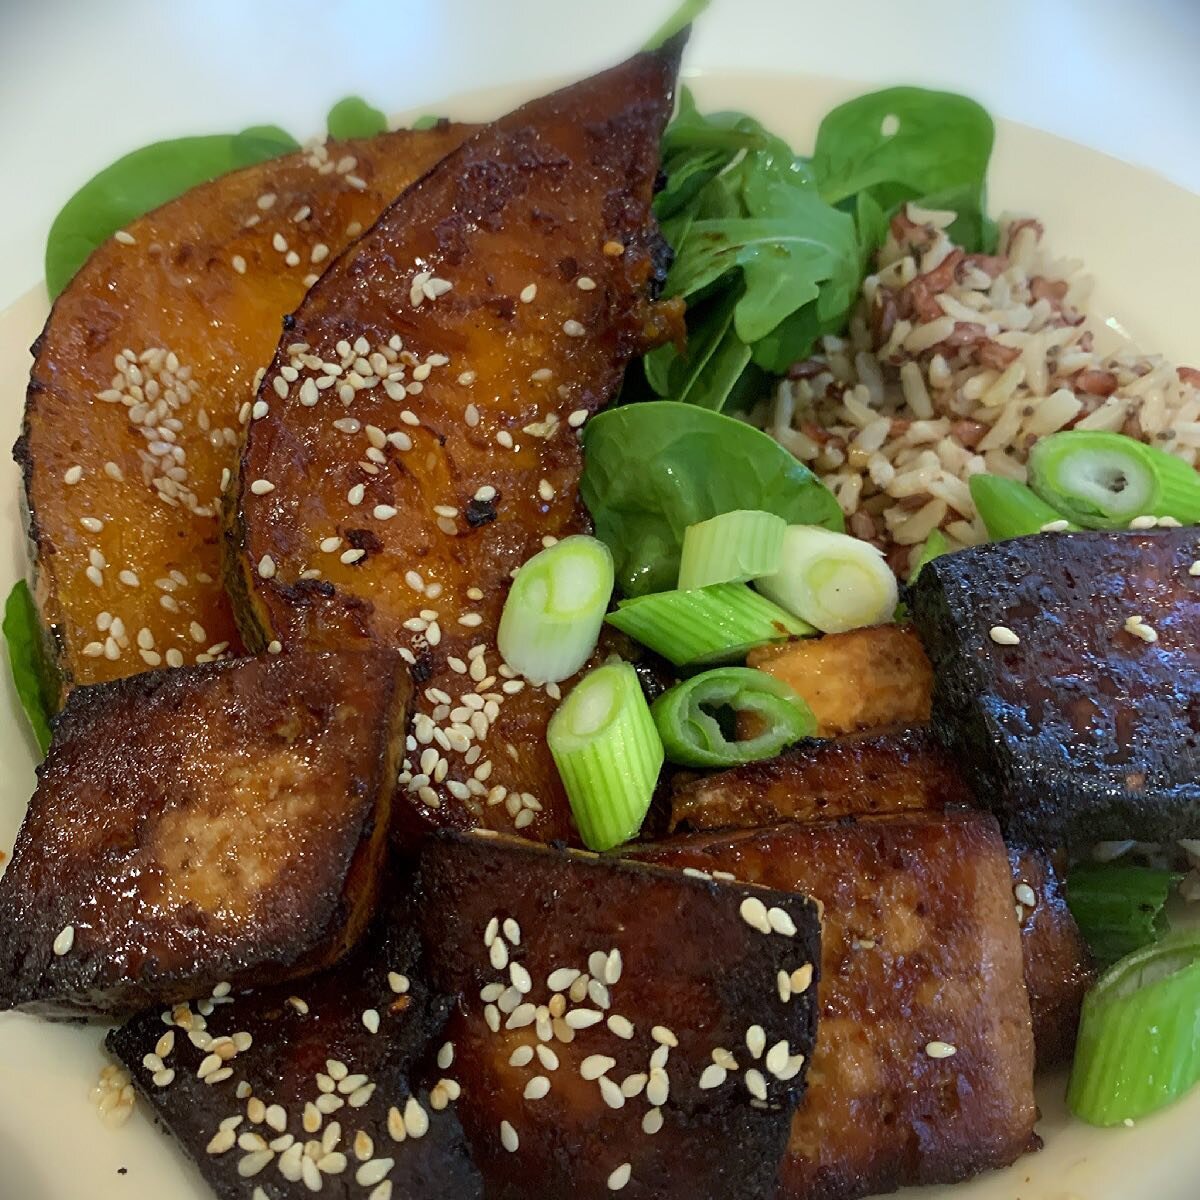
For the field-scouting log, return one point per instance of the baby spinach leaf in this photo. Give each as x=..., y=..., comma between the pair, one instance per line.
x=143, y=180
x=353, y=117
x=23, y=636
x=428, y=121
x=907, y=143
x=653, y=469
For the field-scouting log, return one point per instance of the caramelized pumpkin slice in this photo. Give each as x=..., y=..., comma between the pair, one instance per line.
x=618, y=1025
x=307, y=1074
x=218, y=823
x=141, y=384
x=417, y=437
x=923, y=1069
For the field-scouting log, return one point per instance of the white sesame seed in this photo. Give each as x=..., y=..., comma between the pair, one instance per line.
x=528, y=293
x=781, y=922
x=620, y=1026
x=939, y=1049
x=712, y=1076
x=508, y=1137
x=260, y=410
x=1003, y=636
x=64, y=941
x=384, y=512
x=756, y=1085
x=1194, y=569
x=1137, y=626
x=801, y=978
x=1059, y=526
x=72, y=475
x=1025, y=895
x=126, y=239
x=261, y=487
x=658, y=1090
x=572, y=328
x=754, y=913
x=370, y=1020
x=756, y=1040
x=652, y=1122
x=91, y=524
x=620, y=1177
x=585, y=283
x=664, y=1037
x=537, y=1088
x=266, y=567
x=1143, y=522
x=596, y=1065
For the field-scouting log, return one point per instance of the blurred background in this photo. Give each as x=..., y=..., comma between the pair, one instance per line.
x=81, y=81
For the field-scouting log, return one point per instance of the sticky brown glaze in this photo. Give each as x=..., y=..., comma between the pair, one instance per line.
x=1058, y=965
x=878, y=772
x=298, y=1033
x=919, y=946
x=1082, y=731
x=502, y=297
x=862, y=679
x=692, y=972
x=218, y=823
x=203, y=281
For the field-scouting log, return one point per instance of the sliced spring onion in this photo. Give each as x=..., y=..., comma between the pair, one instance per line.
x=935, y=546
x=1009, y=509
x=1104, y=480
x=716, y=624
x=608, y=753
x=693, y=716
x=732, y=548
x=1139, y=1035
x=832, y=580
x=554, y=610
x=1118, y=908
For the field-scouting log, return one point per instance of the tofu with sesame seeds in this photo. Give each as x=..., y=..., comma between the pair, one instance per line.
x=616, y=1020
x=138, y=396
x=466, y=358
x=898, y=771
x=310, y=1081
x=223, y=823
x=1084, y=726
x=923, y=1067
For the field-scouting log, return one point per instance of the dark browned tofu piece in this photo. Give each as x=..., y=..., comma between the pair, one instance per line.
x=1084, y=724
x=848, y=776
x=923, y=1070
x=306, y=1093
x=1058, y=964
x=221, y=823
x=904, y=771
x=486, y=315
x=619, y=1026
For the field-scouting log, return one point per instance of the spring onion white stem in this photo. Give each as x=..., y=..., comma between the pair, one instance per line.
x=608, y=752
x=831, y=580
x=554, y=610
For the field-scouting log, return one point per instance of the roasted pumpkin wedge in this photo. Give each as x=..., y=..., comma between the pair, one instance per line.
x=221, y=823
x=415, y=439
x=923, y=1068
x=1067, y=681
x=330, y=1084
x=618, y=1025
x=142, y=381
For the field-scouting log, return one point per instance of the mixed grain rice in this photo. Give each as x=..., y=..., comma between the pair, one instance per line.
x=953, y=364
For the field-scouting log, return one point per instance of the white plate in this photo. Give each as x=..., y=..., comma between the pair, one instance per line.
x=1138, y=235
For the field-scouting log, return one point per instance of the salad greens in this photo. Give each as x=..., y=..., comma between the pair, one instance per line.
x=353, y=117
x=144, y=180
x=771, y=248
x=1118, y=908
x=23, y=636
x=653, y=469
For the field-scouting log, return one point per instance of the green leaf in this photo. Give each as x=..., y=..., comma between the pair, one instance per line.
x=710, y=366
x=1118, y=908
x=935, y=546
x=143, y=180
x=23, y=636
x=428, y=121
x=353, y=117
x=653, y=469
x=679, y=20
x=908, y=143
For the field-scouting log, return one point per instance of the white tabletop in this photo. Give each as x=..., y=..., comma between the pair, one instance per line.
x=82, y=81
